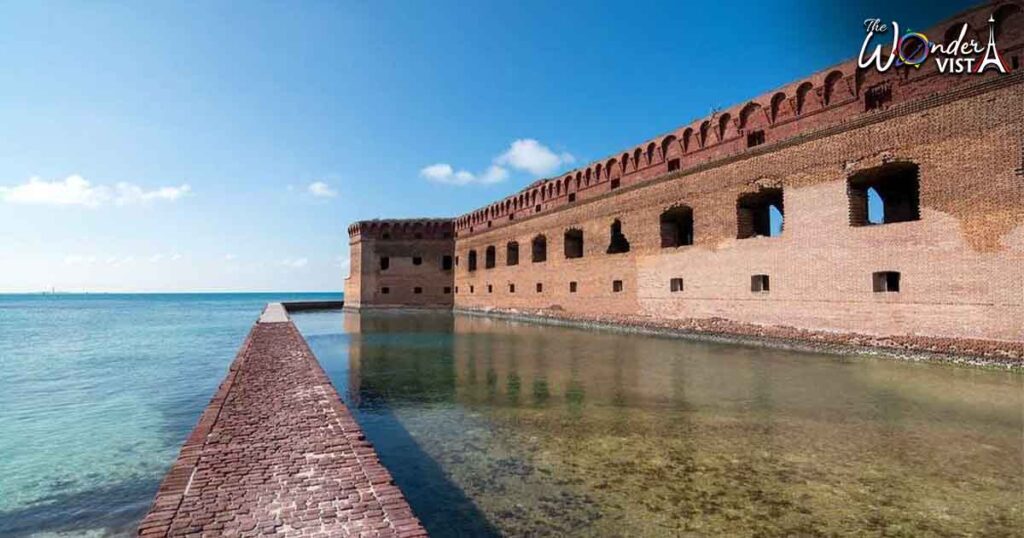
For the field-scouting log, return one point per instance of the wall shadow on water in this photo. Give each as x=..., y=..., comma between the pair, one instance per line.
x=386, y=362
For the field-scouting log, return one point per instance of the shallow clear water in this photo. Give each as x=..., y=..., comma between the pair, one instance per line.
x=495, y=427
x=97, y=393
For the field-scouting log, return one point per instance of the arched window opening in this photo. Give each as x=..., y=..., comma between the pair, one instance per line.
x=677, y=227
x=724, y=123
x=885, y=194
x=512, y=253
x=831, y=86
x=705, y=128
x=759, y=214
x=573, y=243
x=490, y=258
x=472, y=260
x=801, y=97
x=650, y=153
x=637, y=155
x=777, y=101
x=617, y=243
x=540, y=249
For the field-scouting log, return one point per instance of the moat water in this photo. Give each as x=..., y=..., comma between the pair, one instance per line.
x=494, y=427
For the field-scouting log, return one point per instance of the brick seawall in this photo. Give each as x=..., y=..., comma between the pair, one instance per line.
x=276, y=452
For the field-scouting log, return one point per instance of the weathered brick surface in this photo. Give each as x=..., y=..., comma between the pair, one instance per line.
x=961, y=268
x=277, y=453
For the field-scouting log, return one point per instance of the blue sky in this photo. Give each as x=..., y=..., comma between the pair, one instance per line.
x=226, y=146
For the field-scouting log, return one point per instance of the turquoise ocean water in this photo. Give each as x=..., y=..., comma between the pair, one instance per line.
x=97, y=393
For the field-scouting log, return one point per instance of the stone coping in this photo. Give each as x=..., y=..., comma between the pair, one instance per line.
x=276, y=452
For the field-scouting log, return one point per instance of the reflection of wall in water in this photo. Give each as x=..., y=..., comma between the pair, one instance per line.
x=397, y=356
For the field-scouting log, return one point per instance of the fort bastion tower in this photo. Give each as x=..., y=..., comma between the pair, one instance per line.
x=849, y=201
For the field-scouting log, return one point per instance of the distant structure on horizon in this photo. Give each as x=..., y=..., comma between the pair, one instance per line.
x=901, y=196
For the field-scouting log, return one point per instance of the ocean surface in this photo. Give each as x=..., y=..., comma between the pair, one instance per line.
x=97, y=393
x=500, y=428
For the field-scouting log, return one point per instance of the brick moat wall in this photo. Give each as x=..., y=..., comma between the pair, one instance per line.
x=946, y=151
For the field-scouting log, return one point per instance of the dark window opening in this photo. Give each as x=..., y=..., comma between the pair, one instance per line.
x=573, y=243
x=385, y=262
x=759, y=214
x=416, y=260
x=616, y=286
x=755, y=138
x=673, y=165
x=877, y=96
x=490, y=288
x=677, y=227
x=1015, y=62
x=385, y=290
x=511, y=288
x=472, y=260
x=884, y=195
x=572, y=197
x=540, y=287
x=618, y=243
x=456, y=289
x=676, y=284
x=886, y=281
x=472, y=289
x=512, y=253
x=572, y=287
x=447, y=235
x=614, y=184
x=446, y=263
x=488, y=224
x=511, y=216
x=539, y=249
x=417, y=290
x=417, y=236
x=447, y=290
x=490, y=258
x=385, y=236
x=536, y=209
x=759, y=283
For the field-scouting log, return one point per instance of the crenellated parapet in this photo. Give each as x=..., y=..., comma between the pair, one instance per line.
x=829, y=98
x=403, y=229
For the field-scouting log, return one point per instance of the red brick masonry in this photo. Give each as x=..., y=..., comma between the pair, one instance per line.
x=277, y=453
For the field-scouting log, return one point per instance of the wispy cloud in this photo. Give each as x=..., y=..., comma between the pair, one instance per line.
x=77, y=191
x=295, y=263
x=321, y=190
x=78, y=259
x=525, y=155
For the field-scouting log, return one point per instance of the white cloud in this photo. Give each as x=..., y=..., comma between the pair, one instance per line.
x=531, y=156
x=76, y=190
x=156, y=258
x=321, y=190
x=128, y=194
x=526, y=155
x=296, y=263
x=175, y=257
x=230, y=257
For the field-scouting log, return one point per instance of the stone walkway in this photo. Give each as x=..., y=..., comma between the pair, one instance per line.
x=277, y=453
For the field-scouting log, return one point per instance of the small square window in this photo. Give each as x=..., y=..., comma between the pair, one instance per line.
x=385, y=262
x=416, y=260
x=511, y=288
x=386, y=236
x=417, y=236
x=673, y=165
x=614, y=184
x=759, y=283
x=490, y=288
x=540, y=287
x=417, y=290
x=886, y=281
x=616, y=286
x=572, y=197
x=536, y=209
x=511, y=216
x=755, y=138
x=676, y=284
x=385, y=290
x=446, y=263
x=488, y=224
x=447, y=290
x=572, y=287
